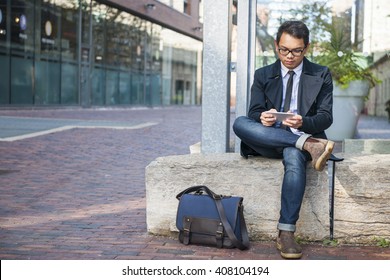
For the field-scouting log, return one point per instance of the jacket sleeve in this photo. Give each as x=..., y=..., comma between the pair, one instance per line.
x=320, y=117
x=258, y=102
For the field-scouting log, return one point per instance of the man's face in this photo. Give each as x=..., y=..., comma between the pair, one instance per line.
x=290, y=50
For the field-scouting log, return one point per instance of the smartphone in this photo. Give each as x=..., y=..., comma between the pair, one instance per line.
x=281, y=116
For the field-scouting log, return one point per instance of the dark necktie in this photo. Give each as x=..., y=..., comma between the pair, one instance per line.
x=287, y=100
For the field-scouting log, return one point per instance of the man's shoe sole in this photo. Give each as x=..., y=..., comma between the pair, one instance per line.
x=288, y=255
x=321, y=162
x=291, y=256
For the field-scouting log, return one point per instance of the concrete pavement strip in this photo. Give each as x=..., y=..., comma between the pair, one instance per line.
x=19, y=128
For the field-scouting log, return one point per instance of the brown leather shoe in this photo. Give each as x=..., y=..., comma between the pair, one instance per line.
x=288, y=247
x=320, y=151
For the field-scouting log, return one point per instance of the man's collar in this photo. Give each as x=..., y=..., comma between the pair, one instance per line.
x=297, y=70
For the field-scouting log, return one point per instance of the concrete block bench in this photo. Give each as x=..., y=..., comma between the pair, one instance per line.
x=362, y=194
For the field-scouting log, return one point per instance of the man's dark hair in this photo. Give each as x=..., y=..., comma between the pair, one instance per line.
x=295, y=28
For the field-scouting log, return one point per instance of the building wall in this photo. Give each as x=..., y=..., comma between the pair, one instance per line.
x=372, y=27
x=171, y=14
x=380, y=94
x=97, y=54
x=376, y=25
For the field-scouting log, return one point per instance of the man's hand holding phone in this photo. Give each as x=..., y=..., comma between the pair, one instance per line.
x=289, y=119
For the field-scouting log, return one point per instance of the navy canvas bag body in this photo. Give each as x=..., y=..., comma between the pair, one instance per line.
x=205, y=218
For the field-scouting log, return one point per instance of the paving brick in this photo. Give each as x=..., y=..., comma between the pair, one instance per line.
x=80, y=193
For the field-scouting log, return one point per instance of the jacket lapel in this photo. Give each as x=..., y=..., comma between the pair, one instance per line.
x=275, y=85
x=310, y=85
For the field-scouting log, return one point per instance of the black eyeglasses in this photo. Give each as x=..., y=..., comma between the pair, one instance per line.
x=295, y=52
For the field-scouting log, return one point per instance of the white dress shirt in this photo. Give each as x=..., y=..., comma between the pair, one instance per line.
x=294, y=95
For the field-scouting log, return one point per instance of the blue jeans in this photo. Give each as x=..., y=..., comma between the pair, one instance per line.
x=275, y=142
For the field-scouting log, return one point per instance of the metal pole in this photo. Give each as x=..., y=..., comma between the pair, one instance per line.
x=331, y=176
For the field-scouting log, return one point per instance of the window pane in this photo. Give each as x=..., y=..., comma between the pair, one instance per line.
x=4, y=54
x=69, y=65
x=22, y=46
x=47, y=55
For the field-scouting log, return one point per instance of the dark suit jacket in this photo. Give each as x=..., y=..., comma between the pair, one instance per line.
x=314, y=95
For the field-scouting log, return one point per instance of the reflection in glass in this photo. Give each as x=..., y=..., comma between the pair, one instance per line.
x=47, y=64
x=69, y=62
x=49, y=55
x=265, y=48
x=4, y=55
x=138, y=63
x=21, y=52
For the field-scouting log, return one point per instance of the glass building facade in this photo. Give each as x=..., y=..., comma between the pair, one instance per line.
x=85, y=53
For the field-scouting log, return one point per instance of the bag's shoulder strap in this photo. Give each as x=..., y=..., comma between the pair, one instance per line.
x=197, y=189
x=242, y=245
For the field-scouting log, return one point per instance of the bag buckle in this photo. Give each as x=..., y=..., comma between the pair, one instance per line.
x=186, y=230
x=219, y=231
x=219, y=235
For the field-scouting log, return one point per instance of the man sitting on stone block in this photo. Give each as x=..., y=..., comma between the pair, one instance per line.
x=294, y=85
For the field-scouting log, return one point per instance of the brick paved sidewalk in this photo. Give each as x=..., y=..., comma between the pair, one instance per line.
x=80, y=193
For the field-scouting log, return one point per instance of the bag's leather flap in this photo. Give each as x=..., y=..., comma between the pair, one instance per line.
x=203, y=206
x=203, y=225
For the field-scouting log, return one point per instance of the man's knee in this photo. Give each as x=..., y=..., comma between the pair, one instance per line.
x=238, y=124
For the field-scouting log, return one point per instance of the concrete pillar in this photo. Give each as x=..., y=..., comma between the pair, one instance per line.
x=246, y=43
x=216, y=76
